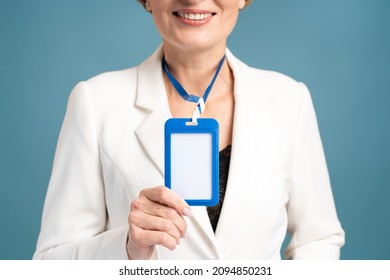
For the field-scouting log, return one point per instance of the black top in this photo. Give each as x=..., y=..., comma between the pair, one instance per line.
x=224, y=163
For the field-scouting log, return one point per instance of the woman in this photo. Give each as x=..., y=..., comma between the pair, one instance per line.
x=106, y=200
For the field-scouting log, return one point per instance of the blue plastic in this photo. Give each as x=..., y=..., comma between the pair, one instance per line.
x=205, y=125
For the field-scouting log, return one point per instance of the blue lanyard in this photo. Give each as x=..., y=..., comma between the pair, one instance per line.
x=189, y=97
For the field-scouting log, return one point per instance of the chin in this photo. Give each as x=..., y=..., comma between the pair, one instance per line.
x=198, y=44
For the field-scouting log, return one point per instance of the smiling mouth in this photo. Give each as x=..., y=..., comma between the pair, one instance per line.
x=194, y=16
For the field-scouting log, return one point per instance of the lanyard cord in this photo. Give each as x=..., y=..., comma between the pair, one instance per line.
x=189, y=97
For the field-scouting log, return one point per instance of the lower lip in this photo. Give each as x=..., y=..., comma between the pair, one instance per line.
x=194, y=22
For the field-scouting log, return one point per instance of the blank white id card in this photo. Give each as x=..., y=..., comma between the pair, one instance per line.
x=192, y=160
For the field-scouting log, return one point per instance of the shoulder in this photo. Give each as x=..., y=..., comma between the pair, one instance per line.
x=275, y=86
x=273, y=79
x=108, y=87
x=270, y=80
x=270, y=86
x=105, y=94
x=114, y=80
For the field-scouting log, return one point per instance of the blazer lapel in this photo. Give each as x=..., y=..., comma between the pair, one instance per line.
x=152, y=99
x=251, y=133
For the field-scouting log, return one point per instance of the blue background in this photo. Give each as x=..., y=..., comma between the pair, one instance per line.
x=340, y=49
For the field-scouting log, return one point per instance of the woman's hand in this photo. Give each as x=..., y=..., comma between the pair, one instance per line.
x=156, y=218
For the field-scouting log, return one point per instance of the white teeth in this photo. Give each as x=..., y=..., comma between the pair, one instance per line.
x=194, y=16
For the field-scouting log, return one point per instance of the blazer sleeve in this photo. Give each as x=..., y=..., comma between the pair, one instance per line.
x=315, y=230
x=74, y=217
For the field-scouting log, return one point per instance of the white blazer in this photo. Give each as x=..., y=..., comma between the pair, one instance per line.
x=111, y=147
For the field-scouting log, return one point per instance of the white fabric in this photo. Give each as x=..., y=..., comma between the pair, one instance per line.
x=111, y=147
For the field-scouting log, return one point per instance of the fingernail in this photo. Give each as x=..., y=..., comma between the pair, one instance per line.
x=178, y=242
x=187, y=212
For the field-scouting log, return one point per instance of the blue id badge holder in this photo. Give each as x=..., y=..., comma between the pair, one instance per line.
x=192, y=160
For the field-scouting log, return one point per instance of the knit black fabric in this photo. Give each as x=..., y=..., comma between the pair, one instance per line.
x=224, y=163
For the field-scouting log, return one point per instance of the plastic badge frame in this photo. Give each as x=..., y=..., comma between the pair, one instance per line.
x=189, y=148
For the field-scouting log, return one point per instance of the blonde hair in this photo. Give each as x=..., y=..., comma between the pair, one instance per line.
x=143, y=2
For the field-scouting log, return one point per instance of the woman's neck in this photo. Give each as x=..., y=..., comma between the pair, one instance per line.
x=194, y=70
